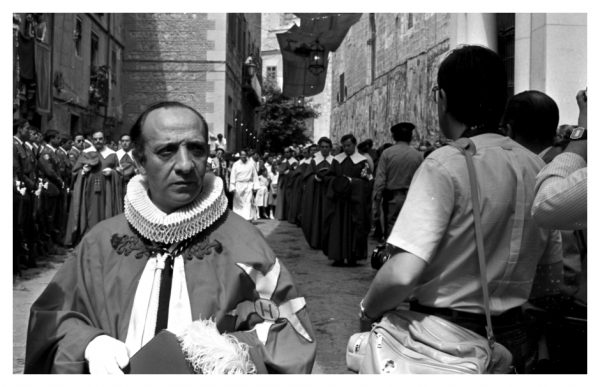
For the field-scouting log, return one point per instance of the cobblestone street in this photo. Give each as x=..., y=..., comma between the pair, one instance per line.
x=332, y=294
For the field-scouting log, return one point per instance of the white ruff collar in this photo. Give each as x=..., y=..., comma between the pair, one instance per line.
x=155, y=225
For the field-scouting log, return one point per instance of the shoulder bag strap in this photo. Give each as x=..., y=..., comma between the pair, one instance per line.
x=467, y=148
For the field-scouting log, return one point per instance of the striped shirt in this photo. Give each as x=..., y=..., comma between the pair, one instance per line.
x=561, y=193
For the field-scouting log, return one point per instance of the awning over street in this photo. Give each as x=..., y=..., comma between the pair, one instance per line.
x=325, y=29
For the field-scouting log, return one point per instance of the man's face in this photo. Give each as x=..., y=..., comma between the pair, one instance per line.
x=270, y=160
x=67, y=145
x=287, y=153
x=219, y=154
x=126, y=143
x=175, y=154
x=325, y=149
x=348, y=147
x=98, y=140
x=255, y=156
x=24, y=133
x=55, y=141
x=78, y=142
x=243, y=156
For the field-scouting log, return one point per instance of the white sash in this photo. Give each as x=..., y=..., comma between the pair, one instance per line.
x=142, y=322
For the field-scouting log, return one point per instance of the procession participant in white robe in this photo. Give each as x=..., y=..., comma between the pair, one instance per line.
x=243, y=181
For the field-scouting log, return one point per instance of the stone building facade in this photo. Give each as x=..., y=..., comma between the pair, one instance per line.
x=384, y=70
x=197, y=59
x=274, y=23
x=77, y=71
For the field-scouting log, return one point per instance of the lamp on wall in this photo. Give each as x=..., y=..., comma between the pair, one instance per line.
x=316, y=61
x=250, y=66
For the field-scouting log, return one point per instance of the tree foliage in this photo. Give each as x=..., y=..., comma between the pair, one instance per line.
x=283, y=120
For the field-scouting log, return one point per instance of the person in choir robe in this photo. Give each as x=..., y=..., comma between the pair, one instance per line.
x=97, y=190
x=287, y=165
x=127, y=161
x=313, y=198
x=243, y=182
x=347, y=206
x=296, y=184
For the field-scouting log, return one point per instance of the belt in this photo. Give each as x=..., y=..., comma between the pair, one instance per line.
x=508, y=317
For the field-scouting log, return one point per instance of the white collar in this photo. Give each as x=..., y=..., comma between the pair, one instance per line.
x=356, y=157
x=305, y=161
x=18, y=140
x=63, y=149
x=28, y=144
x=155, y=225
x=292, y=160
x=319, y=158
x=51, y=147
x=105, y=152
x=121, y=153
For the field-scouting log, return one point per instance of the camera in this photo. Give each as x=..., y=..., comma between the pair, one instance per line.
x=380, y=255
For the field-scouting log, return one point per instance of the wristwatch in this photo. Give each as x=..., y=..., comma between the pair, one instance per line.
x=579, y=133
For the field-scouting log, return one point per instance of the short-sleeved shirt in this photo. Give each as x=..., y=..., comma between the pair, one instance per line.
x=436, y=224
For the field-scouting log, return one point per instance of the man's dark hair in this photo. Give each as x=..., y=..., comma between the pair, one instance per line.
x=18, y=123
x=474, y=81
x=49, y=135
x=325, y=139
x=136, y=130
x=363, y=147
x=402, y=131
x=63, y=139
x=533, y=116
x=347, y=137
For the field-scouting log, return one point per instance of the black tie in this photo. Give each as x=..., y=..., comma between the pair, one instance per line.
x=164, y=295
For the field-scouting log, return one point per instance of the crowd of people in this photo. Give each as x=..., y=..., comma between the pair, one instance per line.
x=336, y=194
x=63, y=187
x=530, y=176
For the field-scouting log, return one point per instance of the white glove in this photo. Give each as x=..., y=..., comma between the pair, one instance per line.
x=106, y=355
x=22, y=191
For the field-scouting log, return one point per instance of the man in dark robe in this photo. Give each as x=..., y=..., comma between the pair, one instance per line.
x=283, y=196
x=178, y=245
x=97, y=191
x=348, y=194
x=313, y=199
x=296, y=188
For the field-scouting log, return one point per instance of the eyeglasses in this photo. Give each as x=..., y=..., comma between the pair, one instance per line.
x=435, y=90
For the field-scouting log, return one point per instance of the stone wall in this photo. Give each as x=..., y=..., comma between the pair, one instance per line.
x=166, y=58
x=399, y=89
